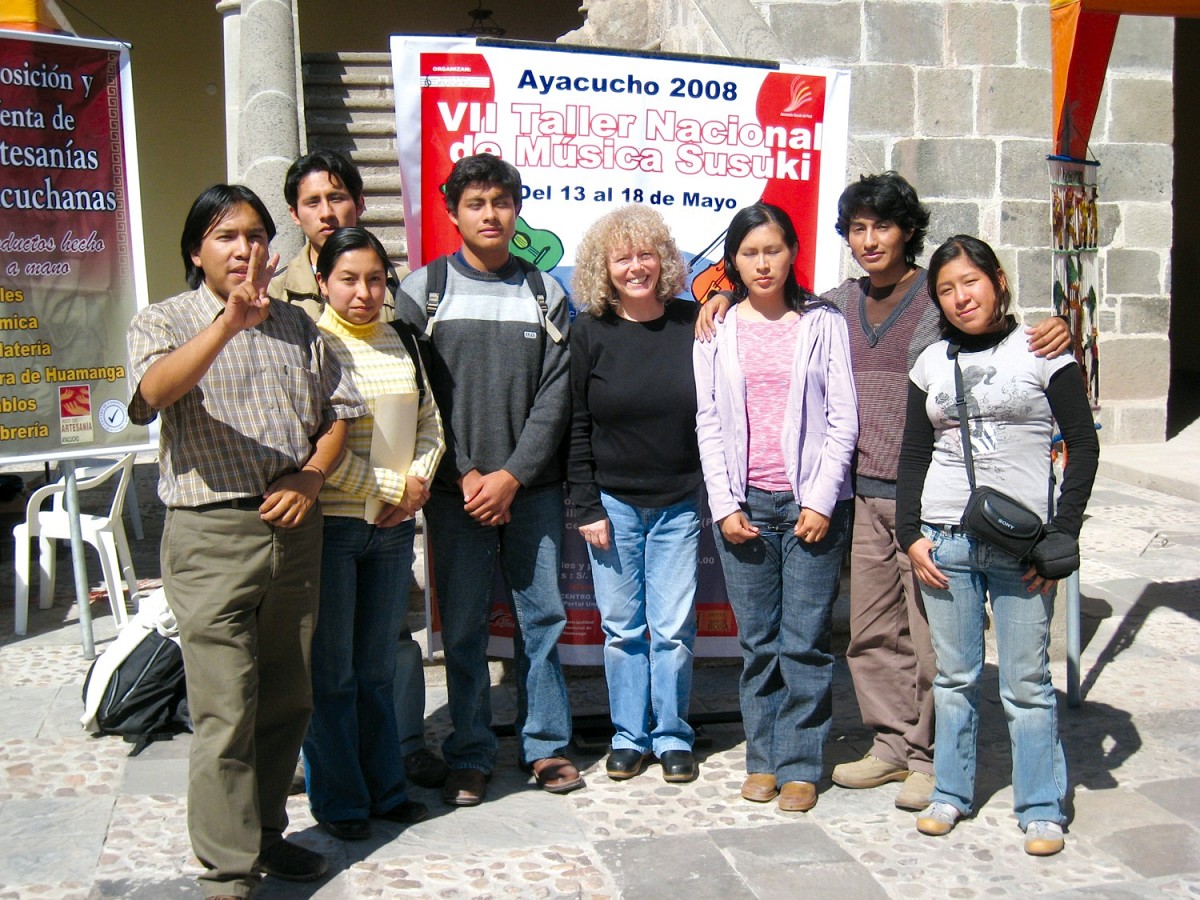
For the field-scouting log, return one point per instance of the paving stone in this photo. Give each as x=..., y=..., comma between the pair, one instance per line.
x=155, y=776
x=51, y=840
x=691, y=865
x=1156, y=850
x=1180, y=796
x=25, y=710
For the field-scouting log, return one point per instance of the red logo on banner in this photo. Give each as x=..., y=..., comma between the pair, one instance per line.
x=75, y=400
x=458, y=118
x=795, y=104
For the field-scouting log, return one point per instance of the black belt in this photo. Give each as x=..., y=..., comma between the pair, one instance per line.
x=243, y=503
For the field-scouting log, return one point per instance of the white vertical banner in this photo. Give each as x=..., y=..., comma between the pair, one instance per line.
x=696, y=138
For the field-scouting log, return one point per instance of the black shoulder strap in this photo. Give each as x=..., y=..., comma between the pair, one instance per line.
x=533, y=278
x=435, y=289
x=409, y=339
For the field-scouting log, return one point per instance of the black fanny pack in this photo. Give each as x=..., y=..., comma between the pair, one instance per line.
x=997, y=519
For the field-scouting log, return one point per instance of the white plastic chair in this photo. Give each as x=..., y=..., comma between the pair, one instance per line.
x=105, y=533
x=88, y=466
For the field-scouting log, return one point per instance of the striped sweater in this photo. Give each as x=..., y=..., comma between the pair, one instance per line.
x=378, y=363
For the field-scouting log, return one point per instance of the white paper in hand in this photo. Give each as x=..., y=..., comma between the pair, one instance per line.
x=393, y=441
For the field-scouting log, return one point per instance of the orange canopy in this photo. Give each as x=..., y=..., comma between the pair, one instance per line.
x=1081, y=39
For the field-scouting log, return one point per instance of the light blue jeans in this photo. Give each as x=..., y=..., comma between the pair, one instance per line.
x=978, y=572
x=352, y=754
x=645, y=586
x=782, y=592
x=529, y=550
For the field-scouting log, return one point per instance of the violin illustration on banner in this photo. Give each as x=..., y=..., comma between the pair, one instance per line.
x=536, y=245
x=712, y=279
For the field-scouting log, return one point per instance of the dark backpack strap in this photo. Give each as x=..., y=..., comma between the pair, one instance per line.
x=533, y=278
x=435, y=289
x=409, y=340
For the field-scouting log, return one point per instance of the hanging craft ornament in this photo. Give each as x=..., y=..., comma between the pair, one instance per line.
x=1076, y=235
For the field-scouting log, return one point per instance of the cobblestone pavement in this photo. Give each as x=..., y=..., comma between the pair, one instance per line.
x=80, y=819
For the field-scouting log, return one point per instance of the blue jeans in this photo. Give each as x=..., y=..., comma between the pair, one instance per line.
x=978, y=572
x=647, y=580
x=529, y=549
x=352, y=752
x=782, y=592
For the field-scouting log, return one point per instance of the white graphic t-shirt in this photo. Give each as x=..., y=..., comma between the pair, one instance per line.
x=1010, y=425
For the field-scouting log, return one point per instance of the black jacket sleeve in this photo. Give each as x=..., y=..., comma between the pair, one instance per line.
x=1069, y=404
x=916, y=453
x=581, y=461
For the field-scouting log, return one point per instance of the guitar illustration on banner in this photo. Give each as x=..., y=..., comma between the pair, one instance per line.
x=536, y=245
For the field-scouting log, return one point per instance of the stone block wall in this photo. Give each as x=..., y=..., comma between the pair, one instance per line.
x=956, y=96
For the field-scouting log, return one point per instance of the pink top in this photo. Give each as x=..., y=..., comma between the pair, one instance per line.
x=765, y=351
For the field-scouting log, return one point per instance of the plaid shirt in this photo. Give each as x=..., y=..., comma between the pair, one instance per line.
x=254, y=414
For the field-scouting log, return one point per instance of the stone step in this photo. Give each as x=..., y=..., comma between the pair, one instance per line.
x=369, y=123
x=350, y=108
x=333, y=98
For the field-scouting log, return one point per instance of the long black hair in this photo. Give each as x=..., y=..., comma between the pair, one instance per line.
x=346, y=240
x=745, y=220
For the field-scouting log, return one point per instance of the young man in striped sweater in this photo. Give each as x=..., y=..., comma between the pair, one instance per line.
x=499, y=373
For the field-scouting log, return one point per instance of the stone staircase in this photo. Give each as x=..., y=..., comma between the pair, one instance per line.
x=349, y=107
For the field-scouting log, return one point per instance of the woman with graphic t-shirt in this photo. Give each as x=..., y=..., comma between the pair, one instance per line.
x=1013, y=401
x=777, y=421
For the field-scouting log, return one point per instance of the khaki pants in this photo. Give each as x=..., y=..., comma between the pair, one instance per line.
x=245, y=596
x=890, y=654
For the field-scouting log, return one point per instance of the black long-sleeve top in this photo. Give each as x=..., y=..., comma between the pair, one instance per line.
x=633, y=417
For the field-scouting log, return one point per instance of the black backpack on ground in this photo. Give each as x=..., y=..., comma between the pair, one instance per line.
x=145, y=699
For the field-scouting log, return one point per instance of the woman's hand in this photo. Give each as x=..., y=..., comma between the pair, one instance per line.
x=921, y=555
x=737, y=528
x=1036, y=583
x=596, y=534
x=811, y=526
x=711, y=312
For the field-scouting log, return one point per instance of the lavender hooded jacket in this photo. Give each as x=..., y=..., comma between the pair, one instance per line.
x=820, y=425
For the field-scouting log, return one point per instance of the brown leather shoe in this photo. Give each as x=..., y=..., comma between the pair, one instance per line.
x=464, y=787
x=556, y=774
x=759, y=788
x=797, y=796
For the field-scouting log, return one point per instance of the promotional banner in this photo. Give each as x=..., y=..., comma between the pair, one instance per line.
x=592, y=130
x=72, y=270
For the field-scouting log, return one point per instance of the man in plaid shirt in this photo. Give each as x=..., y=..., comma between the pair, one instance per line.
x=252, y=418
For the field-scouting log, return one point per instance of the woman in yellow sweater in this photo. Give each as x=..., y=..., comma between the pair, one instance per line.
x=355, y=767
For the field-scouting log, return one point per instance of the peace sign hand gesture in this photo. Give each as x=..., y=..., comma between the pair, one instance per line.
x=248, y=304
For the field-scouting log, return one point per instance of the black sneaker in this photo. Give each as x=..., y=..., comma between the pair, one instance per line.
x=291, y=862
x=424, y=768
x=678, y=766
x=407, y=813
x=624, y=763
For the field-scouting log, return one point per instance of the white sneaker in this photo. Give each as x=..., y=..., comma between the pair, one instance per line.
x=1043, y=838
x=938, y=818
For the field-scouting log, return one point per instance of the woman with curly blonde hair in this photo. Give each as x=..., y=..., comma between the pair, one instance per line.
x=635, y=478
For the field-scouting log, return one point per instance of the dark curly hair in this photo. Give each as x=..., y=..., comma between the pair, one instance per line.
x=891, y=198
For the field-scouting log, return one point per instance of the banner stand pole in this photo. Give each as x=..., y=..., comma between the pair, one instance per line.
x=78, y=561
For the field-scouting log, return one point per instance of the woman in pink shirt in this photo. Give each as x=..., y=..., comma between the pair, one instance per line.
x=776, y=422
